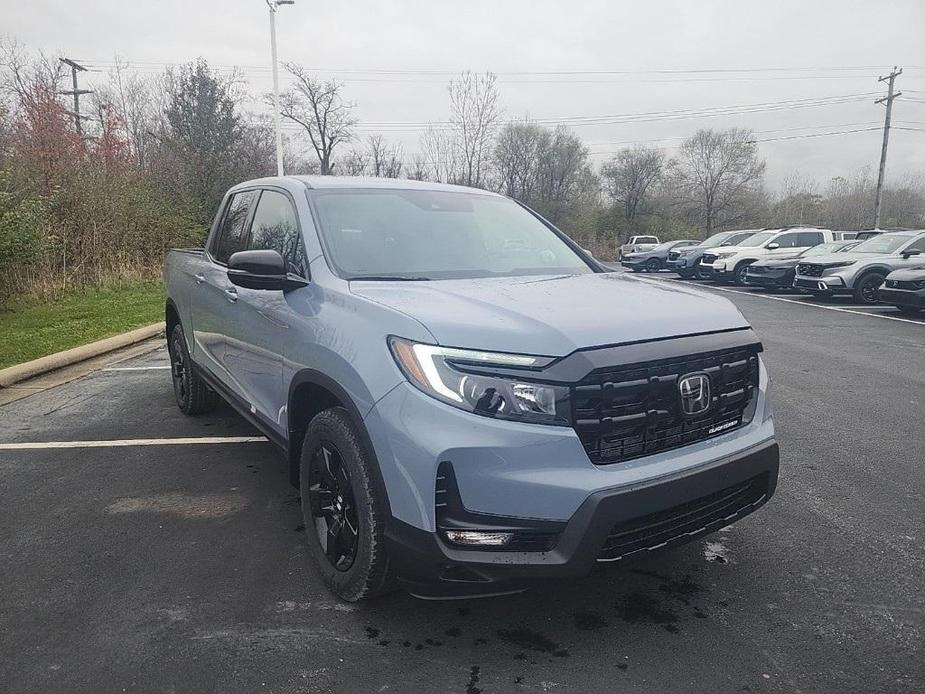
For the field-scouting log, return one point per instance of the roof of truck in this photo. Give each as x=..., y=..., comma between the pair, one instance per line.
x=326, y=182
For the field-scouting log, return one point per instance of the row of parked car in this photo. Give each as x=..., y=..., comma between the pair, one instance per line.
x=873, y=266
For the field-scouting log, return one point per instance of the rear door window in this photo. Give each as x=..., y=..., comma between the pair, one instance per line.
x=232, y=234
x=276, y=227
x=810, y=238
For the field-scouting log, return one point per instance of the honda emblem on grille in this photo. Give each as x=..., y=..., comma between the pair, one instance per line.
x=695, y=393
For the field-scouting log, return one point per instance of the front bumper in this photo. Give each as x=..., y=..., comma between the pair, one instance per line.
x=902, y=297
x=827, y=284
x=781, y=280
x=723, y=271
x=610, y=525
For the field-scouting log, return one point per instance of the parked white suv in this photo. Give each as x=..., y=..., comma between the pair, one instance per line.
x=730, y=264
x=638, y=244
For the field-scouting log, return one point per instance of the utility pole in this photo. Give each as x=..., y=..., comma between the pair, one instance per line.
x=76, y=92
x=274, y=6
x=888, y=100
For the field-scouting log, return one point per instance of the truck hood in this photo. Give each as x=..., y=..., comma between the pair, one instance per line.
x=553, y=315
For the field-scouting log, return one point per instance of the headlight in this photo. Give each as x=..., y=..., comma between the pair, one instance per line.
x=845, y=263
x=725, y=254
x=457, y=377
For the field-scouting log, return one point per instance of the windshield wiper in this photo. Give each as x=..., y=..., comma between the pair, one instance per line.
x=389, y=278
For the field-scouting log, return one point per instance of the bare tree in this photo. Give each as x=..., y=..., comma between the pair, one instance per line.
x=355, y=163
x=440, y=154
x=799, y=202
x=718, y=176
x=518, y=151
x=418, y=169
x=474, y=115
x=319, y=107
x=629, y=175
x=385, y=159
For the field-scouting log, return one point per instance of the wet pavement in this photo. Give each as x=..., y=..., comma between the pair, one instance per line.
x=150, y=567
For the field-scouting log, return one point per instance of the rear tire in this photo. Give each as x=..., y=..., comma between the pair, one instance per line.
x=653, y=265
x=343, y=514
x=192, y=394
x=865, y=289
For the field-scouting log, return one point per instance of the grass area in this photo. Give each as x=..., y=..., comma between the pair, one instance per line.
x=32, y=328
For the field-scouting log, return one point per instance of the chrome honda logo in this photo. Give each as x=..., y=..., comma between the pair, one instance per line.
x=695, y=393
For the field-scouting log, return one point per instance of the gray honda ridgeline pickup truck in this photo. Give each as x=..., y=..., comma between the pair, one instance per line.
x=467, y=401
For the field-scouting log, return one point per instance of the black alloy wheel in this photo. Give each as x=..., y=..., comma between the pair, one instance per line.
x=866, y=291
x=178, y=368
x=739, y=275
x=653, y=265
x=330, y=498
x=192, y=394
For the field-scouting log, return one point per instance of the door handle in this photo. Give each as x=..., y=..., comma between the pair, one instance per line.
x=231, y=295
x=200, y=279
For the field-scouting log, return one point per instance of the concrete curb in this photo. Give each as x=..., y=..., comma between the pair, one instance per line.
x=36, y=367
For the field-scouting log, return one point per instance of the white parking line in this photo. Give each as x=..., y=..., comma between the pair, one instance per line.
x=134, y=368
x=115, y=443
x=793, y=301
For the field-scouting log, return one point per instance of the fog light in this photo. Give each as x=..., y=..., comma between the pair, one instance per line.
x=482, y=538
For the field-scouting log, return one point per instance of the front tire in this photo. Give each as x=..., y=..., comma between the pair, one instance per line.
x=344, y=516
x=192, y=394
x=865, y=290
x=738, y=276
x=653, y=265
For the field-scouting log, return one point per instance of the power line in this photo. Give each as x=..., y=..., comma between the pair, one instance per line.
x=801, y=137
x=643, y=117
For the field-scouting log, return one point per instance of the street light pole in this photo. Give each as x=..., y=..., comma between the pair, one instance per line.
x=274, y=5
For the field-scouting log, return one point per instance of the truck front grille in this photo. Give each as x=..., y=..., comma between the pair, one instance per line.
x=627, y=412
x=810, y=270
x=684, y=521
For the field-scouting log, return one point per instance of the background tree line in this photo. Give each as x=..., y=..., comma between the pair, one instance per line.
x=158, y=153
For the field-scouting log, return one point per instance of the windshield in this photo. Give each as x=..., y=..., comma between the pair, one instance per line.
x=882, y=244
x=716, y=240
x=426, y=234
x=825, y=248
x=646, y=239
x=756, y=239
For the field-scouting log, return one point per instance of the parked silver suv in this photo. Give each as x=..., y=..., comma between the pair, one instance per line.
x=861, y=271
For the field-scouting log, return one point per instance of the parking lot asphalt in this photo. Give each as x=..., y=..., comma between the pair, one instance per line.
x=156, y=567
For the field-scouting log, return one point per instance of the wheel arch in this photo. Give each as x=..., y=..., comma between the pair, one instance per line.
x=311, y=392
x=878, y=269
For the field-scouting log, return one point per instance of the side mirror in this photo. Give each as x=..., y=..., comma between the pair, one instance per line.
x=774, y=245
x=264, y=269
x=911, y=252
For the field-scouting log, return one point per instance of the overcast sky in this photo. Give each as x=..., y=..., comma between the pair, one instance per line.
x=631, y=58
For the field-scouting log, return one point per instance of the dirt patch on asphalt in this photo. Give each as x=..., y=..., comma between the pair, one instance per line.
x=182, y=505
